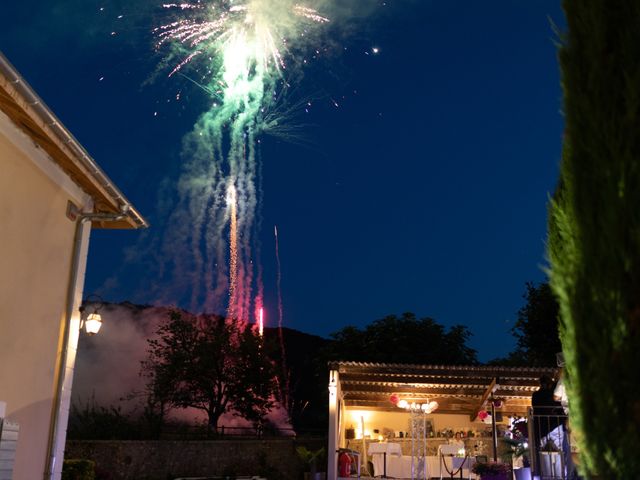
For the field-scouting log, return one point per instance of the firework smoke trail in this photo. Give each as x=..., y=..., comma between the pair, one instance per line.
x=236, y=50
x=233, y=252
x=257, y=248
x=285, y=372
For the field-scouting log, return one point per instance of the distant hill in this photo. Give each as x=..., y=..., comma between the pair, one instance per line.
x=308, y=376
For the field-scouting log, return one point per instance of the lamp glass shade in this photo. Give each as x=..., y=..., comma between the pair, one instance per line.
x=93, y=323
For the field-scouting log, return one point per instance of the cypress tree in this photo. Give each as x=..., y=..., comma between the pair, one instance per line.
x=594, y=232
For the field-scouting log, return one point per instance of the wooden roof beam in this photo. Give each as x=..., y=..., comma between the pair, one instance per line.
x=493, y=386
x=411, y=392
x=380, y=406
x=347, y=368
x=350, y=378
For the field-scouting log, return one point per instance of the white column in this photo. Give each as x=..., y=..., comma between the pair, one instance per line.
x=332, y=456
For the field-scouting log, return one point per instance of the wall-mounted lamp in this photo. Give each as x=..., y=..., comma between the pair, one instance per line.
x=93, y=321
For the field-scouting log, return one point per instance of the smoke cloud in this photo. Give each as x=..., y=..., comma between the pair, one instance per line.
x=108, y=366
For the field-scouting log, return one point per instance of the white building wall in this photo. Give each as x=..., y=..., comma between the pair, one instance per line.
x=36, y=244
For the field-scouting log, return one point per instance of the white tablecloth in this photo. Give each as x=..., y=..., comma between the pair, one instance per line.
x=450, y=448
x=388, y=448
x=399, y=466
x=394, y=458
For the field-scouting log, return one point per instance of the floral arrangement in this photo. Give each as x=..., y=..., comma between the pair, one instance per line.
x=490, y=468
x=517, y=445
x=483, y=415
x=519, y=429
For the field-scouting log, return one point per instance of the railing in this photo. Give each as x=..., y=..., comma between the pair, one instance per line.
x=550, y=444
x=184, y=432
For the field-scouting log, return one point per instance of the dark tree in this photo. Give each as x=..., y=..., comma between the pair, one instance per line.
x=306, y=377
x=536, y=329
x=157, y=394
x=208, y=364
x=594, y=232
x=404, y=339
x=253, y=389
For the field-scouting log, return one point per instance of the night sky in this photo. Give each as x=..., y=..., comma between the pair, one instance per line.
x=417, y=181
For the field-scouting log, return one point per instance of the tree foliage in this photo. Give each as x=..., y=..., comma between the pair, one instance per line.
x=594, y=232
x=252, y=391
x=404, y=339
x=92, y=421
x=78, y=469
x=536, y=329
x=209, y=364
x=305, y=375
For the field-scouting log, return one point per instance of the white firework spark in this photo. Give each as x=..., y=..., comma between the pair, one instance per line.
x=255, y=26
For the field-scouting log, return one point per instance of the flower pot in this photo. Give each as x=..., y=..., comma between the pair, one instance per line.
x=522, y=473
x=494, y=476
x=551, y=465
x=315, y=476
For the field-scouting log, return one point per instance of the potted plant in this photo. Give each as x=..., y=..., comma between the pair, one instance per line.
x=311, y=460
x=550, y=461
x=492, y=470
x=516, y=450
x=78, y=469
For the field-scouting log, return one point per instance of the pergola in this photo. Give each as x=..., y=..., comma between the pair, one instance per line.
x=457, y=389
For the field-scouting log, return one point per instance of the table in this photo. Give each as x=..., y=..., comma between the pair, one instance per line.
x=458, y=463
x=387, y=458
x=399, y=466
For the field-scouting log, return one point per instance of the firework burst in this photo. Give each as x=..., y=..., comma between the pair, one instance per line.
x=236, y=50
x=255, y=32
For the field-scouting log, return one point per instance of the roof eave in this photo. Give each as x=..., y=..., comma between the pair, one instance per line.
x=27, y=110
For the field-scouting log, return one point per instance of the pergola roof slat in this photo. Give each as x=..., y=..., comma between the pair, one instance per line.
x=369, y=385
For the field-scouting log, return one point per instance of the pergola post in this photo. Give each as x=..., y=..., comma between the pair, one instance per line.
x=333, y=440
x=494, y=432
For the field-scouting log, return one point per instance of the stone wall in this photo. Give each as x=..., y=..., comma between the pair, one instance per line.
x=273, y=458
